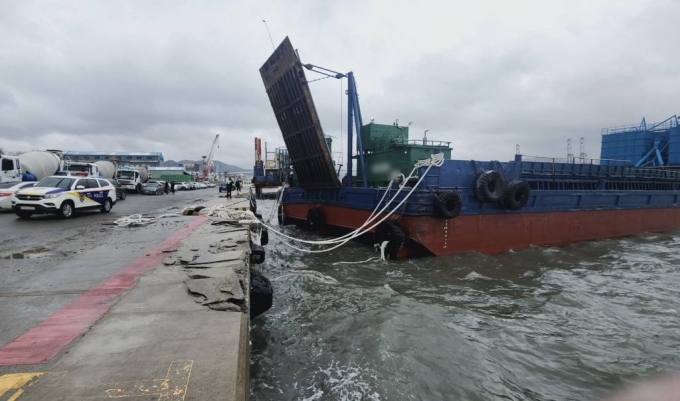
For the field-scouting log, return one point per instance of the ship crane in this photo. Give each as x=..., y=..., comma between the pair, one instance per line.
x=208, y=160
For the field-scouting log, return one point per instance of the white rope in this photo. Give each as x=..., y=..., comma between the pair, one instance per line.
x=225, y=212
x=275, y=209
x=435, y=160
x=381, y=257
x=137, y=220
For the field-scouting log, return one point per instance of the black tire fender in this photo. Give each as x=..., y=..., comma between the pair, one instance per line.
x=516, y=195
x=264, y=236
x=448, y=204
x=315, y=218
x=261, y=294
x=489, y=186
x=283, y=219
x=392, y=232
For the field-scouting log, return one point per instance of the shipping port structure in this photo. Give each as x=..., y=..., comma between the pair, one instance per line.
x=272, y=171
x=444, y=206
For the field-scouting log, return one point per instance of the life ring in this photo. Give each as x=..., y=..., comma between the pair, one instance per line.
x=516, y=195
x=315, y=218
x=489, y=186
x=391, y=232
x=448, y=204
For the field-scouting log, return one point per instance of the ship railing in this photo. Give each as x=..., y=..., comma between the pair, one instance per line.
x=427, y=142
x=670, y=122
x=622, y=128
x=402, y=142
x=586, y=167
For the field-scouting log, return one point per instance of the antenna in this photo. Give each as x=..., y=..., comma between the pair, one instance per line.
x=269, y=33
x=570, y=155
x=583, y=154
x=517, y=151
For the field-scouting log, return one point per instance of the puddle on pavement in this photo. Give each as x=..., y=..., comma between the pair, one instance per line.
x=30, y=254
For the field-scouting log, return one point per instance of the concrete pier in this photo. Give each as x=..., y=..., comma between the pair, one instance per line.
x=172, y=324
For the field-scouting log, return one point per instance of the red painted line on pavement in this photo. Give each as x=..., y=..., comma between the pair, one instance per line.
x=52, y=335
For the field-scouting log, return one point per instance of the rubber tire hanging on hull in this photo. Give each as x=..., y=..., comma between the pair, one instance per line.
x=283, y=219
x=448, y=204
x=392, y=232
x=315, y=218
x=489, y=186
x=261, y=294
x=516, y=195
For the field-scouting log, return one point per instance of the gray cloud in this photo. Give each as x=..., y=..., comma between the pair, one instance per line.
x=166, y=76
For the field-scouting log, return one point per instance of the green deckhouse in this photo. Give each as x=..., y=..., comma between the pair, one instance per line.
x=387, y=149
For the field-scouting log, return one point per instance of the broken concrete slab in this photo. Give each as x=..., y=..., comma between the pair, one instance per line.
x=237, y=265
x=211, y=272
x=186, y=257
x=170, y=260
x=219, y=257
x=218, y=292
x=227, y=243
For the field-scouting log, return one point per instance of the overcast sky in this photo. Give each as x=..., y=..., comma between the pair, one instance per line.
x=487, y=75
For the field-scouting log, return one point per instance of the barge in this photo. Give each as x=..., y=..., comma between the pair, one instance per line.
x=412, y=198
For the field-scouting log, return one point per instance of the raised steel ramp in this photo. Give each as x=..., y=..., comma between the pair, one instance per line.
x=288, y=91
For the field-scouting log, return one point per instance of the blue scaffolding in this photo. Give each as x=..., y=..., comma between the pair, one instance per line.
x=642, y=145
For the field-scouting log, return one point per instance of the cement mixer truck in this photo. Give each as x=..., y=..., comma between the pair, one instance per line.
x=36, y=165
x=103, y=169
x=30, y=166
x=132, y=178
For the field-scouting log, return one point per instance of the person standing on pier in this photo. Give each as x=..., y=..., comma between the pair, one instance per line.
x=230, y=187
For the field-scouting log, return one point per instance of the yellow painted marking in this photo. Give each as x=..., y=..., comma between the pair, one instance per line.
x=172, y=388
x=16, y=395
x=16, y=381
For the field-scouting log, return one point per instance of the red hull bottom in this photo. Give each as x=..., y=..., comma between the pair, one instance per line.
x=497, y=233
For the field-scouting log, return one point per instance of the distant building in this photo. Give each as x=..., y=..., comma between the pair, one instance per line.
x=169, y=173
x=192, y=166
x=151, y=159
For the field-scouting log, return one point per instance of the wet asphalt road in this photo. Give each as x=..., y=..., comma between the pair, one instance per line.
x=47, y=262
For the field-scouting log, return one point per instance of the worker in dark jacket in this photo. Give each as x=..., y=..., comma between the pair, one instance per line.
x=230, y=187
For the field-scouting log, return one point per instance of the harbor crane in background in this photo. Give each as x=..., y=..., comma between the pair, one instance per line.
x=208, y=165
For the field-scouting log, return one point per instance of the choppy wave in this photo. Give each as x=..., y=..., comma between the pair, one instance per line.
x=538, y=324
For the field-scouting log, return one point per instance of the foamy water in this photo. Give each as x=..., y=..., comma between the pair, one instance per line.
x=539, y=324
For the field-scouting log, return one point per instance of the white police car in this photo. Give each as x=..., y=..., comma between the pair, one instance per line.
x=64, y=195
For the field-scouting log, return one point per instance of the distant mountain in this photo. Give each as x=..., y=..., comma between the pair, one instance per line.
x=223, y=167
